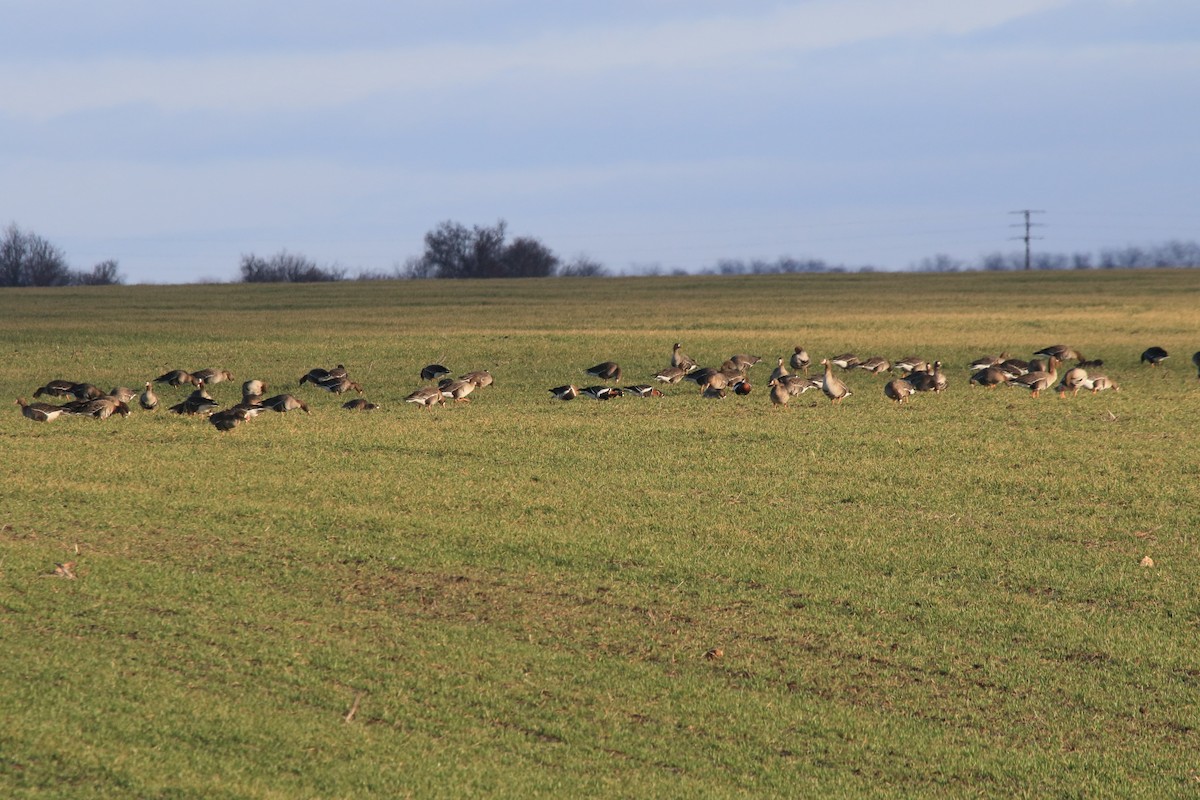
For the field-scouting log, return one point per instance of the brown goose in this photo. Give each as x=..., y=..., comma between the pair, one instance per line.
x=123, y=393
x=716, y=382
x=211, y=376
x=197, y=402
x=99, y=408
x=148, y=399
x=254, y=388
x=319, y=374
x=340, y=385
x=480, y=377
x=875, y=365
x=743, y=362
x=1099, y=383
x=606, y=371
x=800, y=359
x=85, y=391
x=564, y=393
x=40, y=412
x=681, y=359
x=983, y=362
x=778, y=372
x=897, y=389
x=229, y=419
x=779, y=393
x=284, y=403
x=1038, y=381
x=176, y=377
x=427, y=396
x=990, y=377
x=910, y=364
x=932, y=381
x=1072, y=379
x=670, y=374
x=56, y=388
x=458, y=390
x=845, y=360
x=359, y=404
x=798, y=384
x=833, y=387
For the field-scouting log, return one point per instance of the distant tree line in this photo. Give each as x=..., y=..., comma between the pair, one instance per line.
x=27, y=259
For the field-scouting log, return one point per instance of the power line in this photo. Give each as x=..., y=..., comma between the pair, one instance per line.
x=1028, y=224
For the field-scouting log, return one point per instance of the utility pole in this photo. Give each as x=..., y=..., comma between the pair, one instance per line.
x=1028, y=224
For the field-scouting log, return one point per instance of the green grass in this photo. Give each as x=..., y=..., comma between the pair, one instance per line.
x=519, y=594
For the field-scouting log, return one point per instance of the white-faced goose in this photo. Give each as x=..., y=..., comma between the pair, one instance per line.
x=254, y=388
x=176, y=377
x=211, y=376
x=427, y=396
x=359, y=404
x=1072, y=379
x=284, y=403
x=1154, y=356
x=602, y=392
x=568, y=392
x=606, y=371
x=833, y=387
x=779, y=371
x=681, y=359
x=800, y=359
x=40, y=412
x=148, y=399
x=897, y=390
x=431, y=372
x=670, y=374
x=1038, y=381
x=932, y=381
x=990, y=377
x=910, y=364
x=644, y=390
x=779, y=393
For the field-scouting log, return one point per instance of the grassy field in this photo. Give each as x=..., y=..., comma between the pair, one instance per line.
x=523, y=597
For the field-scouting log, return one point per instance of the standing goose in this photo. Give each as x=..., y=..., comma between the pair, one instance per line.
x=933, y=381
x=123, y=394
x=743, y=362
x=458, y=390
x=779, y=372
x=427, y=396
x=800, y=359
x=284, y=403
x=983, y=362
x=148, y=399
x=229, y=419
x=897, y=389
x=1155, y=356
x=798, y=384
x=86, y=391
x=564, y=393
x=1037, y=381
x=681, y=359
x=606, y=371
x=211, y=376
x=779, y=393
x=833, y=387
x=40, y=412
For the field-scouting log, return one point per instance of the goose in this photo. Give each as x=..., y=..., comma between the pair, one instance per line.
x=798, y=384
x=1099, y=383
x=427, y=396
x=910, y=364
x=458, y=391
x=741, y=386
x=716, y=381
x=701, y=376
x=778, y=372
x=40, y=412
x=85, y=391
x=897, y=389
x=644, y=390
x=99, y=408
x=254, y=388
x=359, y=404
x=606, y=371
x=250, y=408
x=983, y=362
x=195, y=404
x=833, y=387
x=1062, y=352
x=800, y=359
x=1196, y=362
x=319, y=374
x=846, y=360
x=431, y=372
x=1014, y=367
x=1037, y=381
x=1072, y=379
x=211, y=376
x=779, y=393
x=284, y=403
x=340, y=385
x=176, y=377
x=564, y=393
x=1154, y=355
x=713, y=393
x=933, y=381
x=123, y=393
x=148, y=399
x=480, y=378
x=681, y=359
x=990, y=377
x=56, y=388
x=228, y=419
x=602, y=392
x=670, y=374
x=875, y=365
x=743, y=362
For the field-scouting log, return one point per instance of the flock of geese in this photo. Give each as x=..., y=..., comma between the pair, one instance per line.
x=907, y=376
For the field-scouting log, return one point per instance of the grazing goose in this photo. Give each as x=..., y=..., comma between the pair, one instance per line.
x=798, y=384
x=1014, y=367
x=932, y=381
x=229, y=419
x=1196, y=362
x=778, y=372
x=701, y=376
x=833, y=387
x=1072, y=379
x=875, y=365
x=845, y=360
x=431, y=372
x=319, y=374
x=1037, y=381
x=1062, y=352
x=123, y=394
x=211, y=376
x=602, y=392
x=800, y=359
x=99, y=408
x=1037, y=365
x=284, y=403
x=983, y=362
x=480, y=378
x=195, y=404
x=340, y=385
x=741, y=386
x=56, y=388
x=254, y=388
x=458, y=390
x=359, y=404
x=910, y=364
x=670, y=374
x=148, y=399
x=779, y=393
x=713, y=393
x=644, y=390
x=1099, y=383
x=681, y=359
x=743, y=362
x=897, y=389
x=606, y=371
x=85, y=391
x=990, y=377
x=1155, y=356
x=564, y=393
x=427, y=396
x=40, y=412
x=176, y=377
x=717, y=382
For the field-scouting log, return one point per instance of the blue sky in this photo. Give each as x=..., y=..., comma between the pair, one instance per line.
x=176, y=137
